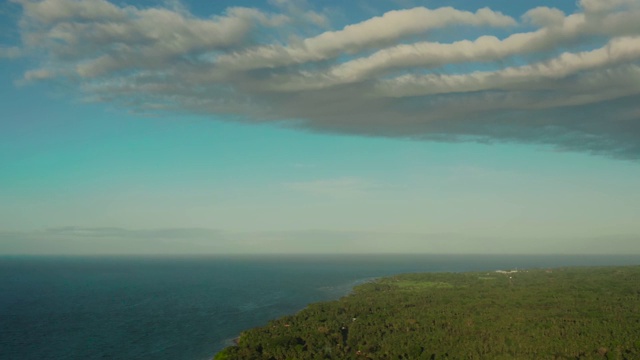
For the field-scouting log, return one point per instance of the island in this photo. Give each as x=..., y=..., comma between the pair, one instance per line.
x=564, y=313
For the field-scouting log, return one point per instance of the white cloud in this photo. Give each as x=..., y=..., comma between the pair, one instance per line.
x=560, y=31
x=96, y=37
x=543, y=16
x=12, y=52
x=38, y=74
x=48, y=12
x=388, y=75
x=531, y=77
x=107, y=241
x=391, y=26
x=599, y=6
x=300, y=10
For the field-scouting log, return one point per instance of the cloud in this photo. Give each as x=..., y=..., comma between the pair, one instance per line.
x=93, y=38
x=106, y=241
x=10, y=52
x=115, y=232
x=599, y=6
x=38, y=74
x=571, y=81
x=391, y=26
x=299, y=10
x=543, y=16
x=531, y=77
x=50, y=12
x=73, y=240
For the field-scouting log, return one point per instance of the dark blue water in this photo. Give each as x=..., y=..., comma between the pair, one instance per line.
x=189, y=308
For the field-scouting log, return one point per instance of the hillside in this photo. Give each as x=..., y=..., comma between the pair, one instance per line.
x=568, y=313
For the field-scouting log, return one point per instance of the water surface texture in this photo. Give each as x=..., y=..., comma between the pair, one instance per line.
x=190, y=307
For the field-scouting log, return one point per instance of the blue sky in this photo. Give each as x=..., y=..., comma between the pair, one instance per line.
x=289, y=126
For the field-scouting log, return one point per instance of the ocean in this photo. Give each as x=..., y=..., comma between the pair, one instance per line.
x=191, y=307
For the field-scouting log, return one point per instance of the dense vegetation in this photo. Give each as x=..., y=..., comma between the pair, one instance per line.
x=571, y=313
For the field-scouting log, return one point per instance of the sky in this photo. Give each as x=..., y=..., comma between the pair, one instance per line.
x=293, y=126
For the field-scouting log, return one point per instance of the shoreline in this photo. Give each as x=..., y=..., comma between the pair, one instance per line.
x=519, y=283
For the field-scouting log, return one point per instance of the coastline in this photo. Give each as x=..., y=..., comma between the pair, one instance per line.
x=576, y=292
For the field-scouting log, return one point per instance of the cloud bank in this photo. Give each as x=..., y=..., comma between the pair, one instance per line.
x=571, y=81
x=198, y=241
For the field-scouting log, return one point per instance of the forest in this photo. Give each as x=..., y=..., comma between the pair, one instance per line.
x=565, y=313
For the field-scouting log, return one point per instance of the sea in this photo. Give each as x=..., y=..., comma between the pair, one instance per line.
x=189, y=308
